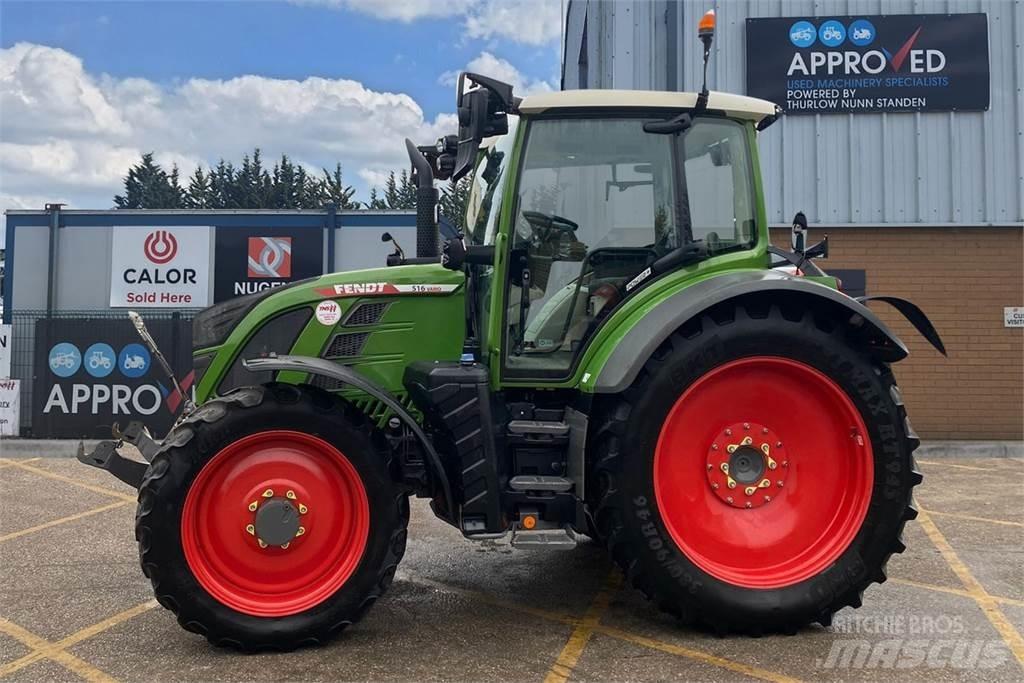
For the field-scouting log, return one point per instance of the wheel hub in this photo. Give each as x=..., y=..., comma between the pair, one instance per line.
x=744, y=468
x=277, y=520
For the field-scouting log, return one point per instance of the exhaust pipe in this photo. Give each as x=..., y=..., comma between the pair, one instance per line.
x=426, y=203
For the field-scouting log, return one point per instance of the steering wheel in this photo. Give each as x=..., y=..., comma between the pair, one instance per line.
x=550, y=221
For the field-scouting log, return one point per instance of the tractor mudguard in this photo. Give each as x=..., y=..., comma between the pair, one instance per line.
x=915, y=316
x=633, y=349
x=326, y=368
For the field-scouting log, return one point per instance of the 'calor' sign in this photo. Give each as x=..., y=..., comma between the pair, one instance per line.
x=160, y=267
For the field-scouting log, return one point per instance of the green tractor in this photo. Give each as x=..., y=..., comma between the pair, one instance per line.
x=608, y=352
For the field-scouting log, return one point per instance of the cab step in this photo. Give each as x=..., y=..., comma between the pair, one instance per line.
x=544, y=539
x=538, y=427
x=536, y=482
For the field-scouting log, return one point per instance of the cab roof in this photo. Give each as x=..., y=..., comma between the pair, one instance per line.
x=737, y=106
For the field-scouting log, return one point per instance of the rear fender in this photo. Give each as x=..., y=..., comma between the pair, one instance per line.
x=633, y=349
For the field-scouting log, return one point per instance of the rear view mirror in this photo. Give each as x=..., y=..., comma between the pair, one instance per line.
x=798, y=233
x=483, y=111
x=386, y=237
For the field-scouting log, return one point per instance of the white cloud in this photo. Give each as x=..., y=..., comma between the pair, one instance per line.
x=533, y=22
x=487, y=64
x=70, y=135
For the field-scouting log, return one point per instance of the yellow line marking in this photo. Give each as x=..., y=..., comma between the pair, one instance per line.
x=680, y=651
x=610, y=631
x=10, y=463
x=989, y=520
x=62, y=520
x=973, y=468
x=985, y=601
x=580, y=636
x=44, y=649
x=955, y=591
x=81, y=484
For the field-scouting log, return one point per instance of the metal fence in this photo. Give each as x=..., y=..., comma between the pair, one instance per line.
x=24, y=344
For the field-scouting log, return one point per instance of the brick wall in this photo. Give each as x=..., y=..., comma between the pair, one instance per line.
x=962, y=278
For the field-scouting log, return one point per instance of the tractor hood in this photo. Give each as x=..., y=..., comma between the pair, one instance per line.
x=375, y=319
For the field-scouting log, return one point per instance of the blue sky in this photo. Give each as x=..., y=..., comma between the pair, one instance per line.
x=85, y=86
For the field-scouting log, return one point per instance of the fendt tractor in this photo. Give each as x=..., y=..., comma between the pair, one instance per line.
x=611, y=351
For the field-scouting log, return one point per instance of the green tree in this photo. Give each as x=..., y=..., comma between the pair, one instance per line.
x=453, y=200
x=376, y=201
x=148, y=186
x=199, y=194
x=333, y=189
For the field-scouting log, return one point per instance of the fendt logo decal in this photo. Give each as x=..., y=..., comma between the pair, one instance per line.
x=383, y=289
x=270, y=257
x=160, y=247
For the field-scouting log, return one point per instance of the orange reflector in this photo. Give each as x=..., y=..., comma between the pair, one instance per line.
x=529, y=521
x=707, y=23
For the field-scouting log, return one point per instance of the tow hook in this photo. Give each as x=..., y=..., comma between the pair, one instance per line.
x=106, y=456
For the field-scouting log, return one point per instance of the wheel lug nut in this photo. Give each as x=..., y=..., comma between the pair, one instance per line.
x=285, y=546
x=303, y=509
x=269, y=493
x=252, y=506
x=300, y=531
x=290, y=495
x=263, y=544
x=251, y=529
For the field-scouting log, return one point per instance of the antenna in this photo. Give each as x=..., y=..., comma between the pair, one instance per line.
x=706, y=32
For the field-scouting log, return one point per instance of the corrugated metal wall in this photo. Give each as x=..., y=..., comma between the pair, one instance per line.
x=963, y=168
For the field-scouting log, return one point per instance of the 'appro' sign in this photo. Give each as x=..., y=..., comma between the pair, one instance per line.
x=160, y=267
x=851, y=64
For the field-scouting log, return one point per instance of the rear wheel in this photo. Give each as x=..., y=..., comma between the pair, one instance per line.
x=270, y=519
x=767, y=474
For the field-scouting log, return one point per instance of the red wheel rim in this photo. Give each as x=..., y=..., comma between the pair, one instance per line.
x=220, y=543
x=823, y=460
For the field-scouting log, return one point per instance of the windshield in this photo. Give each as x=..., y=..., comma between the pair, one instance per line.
x=484, y=203
x=598, y=201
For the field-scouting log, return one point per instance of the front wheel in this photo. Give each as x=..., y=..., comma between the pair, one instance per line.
x=767, y=474
x=270, y=519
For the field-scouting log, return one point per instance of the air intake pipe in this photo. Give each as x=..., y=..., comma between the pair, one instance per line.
x=426, y=203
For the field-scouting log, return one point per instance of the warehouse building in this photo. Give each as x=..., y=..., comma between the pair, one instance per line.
x=901, y=140
x=71, y=276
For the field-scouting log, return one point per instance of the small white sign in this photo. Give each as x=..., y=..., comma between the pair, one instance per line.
x=160, y=267
x=1013, y=316
x=5, y=351
x=328, y=312
x=10, y=407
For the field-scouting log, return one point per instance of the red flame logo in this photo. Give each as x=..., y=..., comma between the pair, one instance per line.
x=160, y=246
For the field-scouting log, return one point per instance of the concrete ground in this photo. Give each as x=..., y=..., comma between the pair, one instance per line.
x=74, y=604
